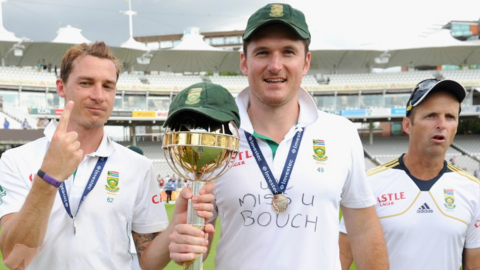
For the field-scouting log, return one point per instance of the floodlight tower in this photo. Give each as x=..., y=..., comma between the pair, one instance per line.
x=130, y=13
x=131, y=43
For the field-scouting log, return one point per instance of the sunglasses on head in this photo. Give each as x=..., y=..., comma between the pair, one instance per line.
x=418, y=92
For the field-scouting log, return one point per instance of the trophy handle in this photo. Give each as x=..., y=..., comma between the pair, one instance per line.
x=194, y=220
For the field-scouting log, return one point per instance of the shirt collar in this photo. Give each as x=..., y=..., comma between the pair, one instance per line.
x=105, y=149
x=308, y=109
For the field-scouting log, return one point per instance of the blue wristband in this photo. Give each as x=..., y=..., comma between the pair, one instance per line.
x=54, y=182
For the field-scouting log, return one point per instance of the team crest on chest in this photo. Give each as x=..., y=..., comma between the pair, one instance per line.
x=319, y=150
x=112, y=182
x=449, y=198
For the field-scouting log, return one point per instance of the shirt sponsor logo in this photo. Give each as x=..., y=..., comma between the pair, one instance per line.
x=477, y=224
x=156, y=199
x=112, y=182
x=242, y=156
x=449, y=198
x=320, y=151
x=424, y=209
x=390, y=198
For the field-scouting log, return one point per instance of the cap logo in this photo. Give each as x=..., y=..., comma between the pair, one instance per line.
x=276, y=10
x=193, y=96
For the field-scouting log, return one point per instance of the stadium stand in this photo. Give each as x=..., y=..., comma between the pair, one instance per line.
x=369, y=164
x=382, y=150
x=172, y=79
x=242, y=81
x=153, y=151
x=128, y=79
x=402, y=77
x=13, y=123
x=19, y=114
x=469, y=144
x=26, y=73
x=466, y=148
x=385, y=149
x=31, y=73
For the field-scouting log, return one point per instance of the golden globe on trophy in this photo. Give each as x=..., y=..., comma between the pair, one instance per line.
x=201, y=141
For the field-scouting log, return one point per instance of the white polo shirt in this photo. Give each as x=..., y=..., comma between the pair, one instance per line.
x=107, y=215
x=426, y=224
x=305, y=235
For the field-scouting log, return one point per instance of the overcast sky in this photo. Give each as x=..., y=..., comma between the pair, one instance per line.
x=343, y=23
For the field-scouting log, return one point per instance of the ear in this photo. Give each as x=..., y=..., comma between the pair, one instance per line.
x=60, y=88
x=306, y=67
x=407, y=125
x=243, y=64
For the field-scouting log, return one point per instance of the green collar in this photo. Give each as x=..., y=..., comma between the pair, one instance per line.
x=273, y=144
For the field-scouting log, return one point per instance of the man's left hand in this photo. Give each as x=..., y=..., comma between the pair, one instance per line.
x=186, y=241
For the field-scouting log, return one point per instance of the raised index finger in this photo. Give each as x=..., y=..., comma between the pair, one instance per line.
x=63, y=123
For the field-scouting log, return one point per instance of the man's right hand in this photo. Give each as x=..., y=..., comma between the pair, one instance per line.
x=64, y=153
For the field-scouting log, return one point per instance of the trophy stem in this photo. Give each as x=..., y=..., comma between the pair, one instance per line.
x=194, y=220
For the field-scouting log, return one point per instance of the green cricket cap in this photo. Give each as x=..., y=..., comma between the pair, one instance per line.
x=278, y=13
x=208, y=99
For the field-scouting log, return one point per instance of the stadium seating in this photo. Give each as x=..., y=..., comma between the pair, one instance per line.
x=27, y=73
x=31, y=73
x=369, y=164
x=468, y=143
x=19, y=114
x=242, y=81
x=172, y=79
x=385, y=149
x=466, y=148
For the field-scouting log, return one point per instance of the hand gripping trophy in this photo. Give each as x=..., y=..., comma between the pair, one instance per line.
x=201, y=140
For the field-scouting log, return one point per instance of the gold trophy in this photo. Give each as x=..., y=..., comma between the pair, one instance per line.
x=201, y=141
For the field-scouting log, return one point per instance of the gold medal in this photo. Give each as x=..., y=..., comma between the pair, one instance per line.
x=279, y=203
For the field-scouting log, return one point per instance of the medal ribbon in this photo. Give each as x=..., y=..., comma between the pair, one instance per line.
x=281, y=186
x=97, y=170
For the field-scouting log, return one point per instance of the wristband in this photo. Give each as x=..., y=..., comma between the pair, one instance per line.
x=52, y=181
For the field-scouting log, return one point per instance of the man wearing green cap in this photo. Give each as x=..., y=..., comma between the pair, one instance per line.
x=296, y=168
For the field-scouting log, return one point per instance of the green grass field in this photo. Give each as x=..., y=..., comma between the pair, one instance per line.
x=2, y=266
x=209, y=263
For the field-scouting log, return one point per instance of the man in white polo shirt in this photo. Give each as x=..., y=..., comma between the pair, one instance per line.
x=70, y=200
x=429, y=209
x=279, y=205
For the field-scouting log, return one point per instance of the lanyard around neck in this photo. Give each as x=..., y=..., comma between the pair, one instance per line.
x=267, y=173
x=97, y=170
